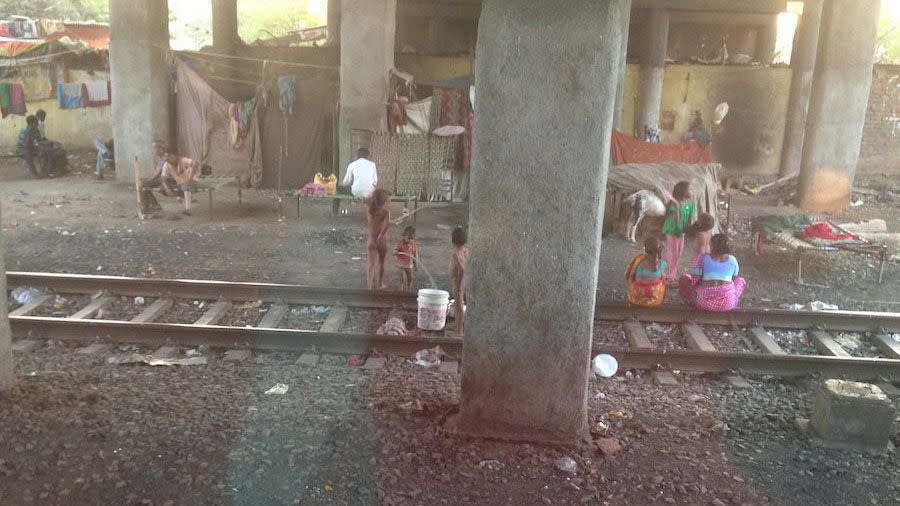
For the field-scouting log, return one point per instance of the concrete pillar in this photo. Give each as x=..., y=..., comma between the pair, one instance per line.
x=367, y=56
x=803, y=64
x=653, y=68
x=766, y=40
x=838, y=103
x=225, y=26
x=139, y=40
x=7, y=375
x=535, y=246
x=334, y=23
x=623, y=60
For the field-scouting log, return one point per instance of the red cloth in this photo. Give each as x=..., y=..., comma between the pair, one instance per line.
x=628, y=149
x=408, y=247
x=824, y=231
x=453, y=108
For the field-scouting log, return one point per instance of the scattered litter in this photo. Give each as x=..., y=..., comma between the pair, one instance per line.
x=192, y=353
x=250, y=305
x=430, y=358
x=600, y=395
x=815, y=305
x=356, y=258
x=492, y=465
x=599, y=428
x=59, y=302
x=139, y=301
x=99, y=268
x=278, y=389
x=137, y=358
x=393, y=327
x=857, y=203
x=621, y=413
x=896, y=338
x=319, y=309
x=24, y=295
x=567, y=465
x=848, y=341
x=605, y=366
x=655, y=327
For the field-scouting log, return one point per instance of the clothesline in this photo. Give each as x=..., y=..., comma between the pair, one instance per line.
x=262, y=60
x=47, y=57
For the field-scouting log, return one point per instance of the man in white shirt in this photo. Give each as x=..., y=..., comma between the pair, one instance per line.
x=362, y=175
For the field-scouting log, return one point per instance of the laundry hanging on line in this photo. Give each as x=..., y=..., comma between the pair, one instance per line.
x=287, y=93
x=86, y=94
x=12, y=99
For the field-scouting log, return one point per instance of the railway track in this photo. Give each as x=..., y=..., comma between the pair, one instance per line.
x=209, y=322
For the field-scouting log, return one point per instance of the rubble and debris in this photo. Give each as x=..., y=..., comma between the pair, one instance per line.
x=609, y=446
x=278, y=389
x=137, y=358
x=24, y=295
x=392, y=327
x=430, y=358
x=567, y=465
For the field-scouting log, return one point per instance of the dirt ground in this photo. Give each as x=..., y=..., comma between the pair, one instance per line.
x=79, y=431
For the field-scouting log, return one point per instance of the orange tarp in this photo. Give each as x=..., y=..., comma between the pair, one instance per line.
x=628, y=149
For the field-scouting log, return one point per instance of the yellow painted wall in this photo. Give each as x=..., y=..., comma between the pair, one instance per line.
x=74, y=128
x=749, y=141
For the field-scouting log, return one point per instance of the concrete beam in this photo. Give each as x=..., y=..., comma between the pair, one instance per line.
x=803, y=64
x=655, y=37
x=449, y=10
x=7, y=372
x=527, y=363
x=139, y=40
x=770, y=6
x=225, y=26
x=367, y=56
x=839, y=99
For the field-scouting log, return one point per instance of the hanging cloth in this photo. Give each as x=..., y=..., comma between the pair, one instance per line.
x=70, y=95
x=4, y=99
x=287, y=93
x=17, y=100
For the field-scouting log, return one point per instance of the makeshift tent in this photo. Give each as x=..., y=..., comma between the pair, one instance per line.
x=628, y=149
x=203, y=132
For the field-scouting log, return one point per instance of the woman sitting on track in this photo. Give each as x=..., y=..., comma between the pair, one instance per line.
x=714, y=284
x=645, y=275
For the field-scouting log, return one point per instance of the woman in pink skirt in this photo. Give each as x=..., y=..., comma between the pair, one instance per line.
x=714, y=284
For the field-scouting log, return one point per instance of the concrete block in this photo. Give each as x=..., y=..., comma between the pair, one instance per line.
x=374, y=363
x=848, y=414
x=26, y=345
x=449, y=367
x=664, y=378
x=95, y=349
x=238, y=355
x=308, y=360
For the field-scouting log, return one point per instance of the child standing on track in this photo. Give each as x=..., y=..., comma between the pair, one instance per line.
x=379, y=219
x=679, y=214
x=459, y=261
x=406, y=256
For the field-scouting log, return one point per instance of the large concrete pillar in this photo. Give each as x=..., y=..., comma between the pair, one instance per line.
x=333, y=29
x=7, y=374
x=535, y=246
x=839, y=99
x=225, y=26
x=655, y=37
x=803, y=64
x=367, y=56
x=139, y=40
x=766, y=41
x=623, y=61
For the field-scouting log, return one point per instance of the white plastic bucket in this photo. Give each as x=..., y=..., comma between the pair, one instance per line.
x=433, y=309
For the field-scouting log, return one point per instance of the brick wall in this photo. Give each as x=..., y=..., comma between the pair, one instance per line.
x=880, y=150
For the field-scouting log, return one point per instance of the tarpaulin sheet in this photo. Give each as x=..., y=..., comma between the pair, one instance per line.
x=13, y=48
x=306, y=135
x=203, y=130
x=628, y=149
x=704, y=179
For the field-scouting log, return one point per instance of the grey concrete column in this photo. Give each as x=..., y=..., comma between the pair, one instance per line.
x=139, y=40
x=838, y=103
x=225, y=26
x=623, y=61
x=367, y=56
x=766, y=41
x=803, y=64
x=655, y=36
x=7, y=373
x=334, y=23
x=535, y=246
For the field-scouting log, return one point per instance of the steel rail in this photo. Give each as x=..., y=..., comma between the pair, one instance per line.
x=156, y=334
x=842, y=321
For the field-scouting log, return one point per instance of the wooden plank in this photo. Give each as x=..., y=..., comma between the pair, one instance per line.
x=154, y=311
x=826, y=345
x=886, y=344
x=695, y=337
x=335, y=319
x=31, y=306
x=214, y=313
x=89, y=310
x=273, y=317
x=637, y=336
x=765, y=341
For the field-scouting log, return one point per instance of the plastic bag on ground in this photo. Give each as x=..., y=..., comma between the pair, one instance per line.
x=278, y=389
x=605, y=366
x=23, y=295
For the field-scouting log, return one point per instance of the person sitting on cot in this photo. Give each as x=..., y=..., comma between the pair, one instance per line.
x=646, y=275
x=714, y=283
x=459, y=262
x=185, y=173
